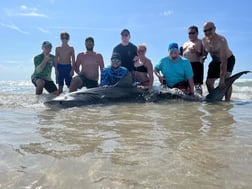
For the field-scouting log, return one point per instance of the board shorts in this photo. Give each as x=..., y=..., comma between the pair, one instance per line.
x=183, y=85
x=64, y=74
x=88, y=82
x=198, y=72
x=214, y=67
x=49, y=85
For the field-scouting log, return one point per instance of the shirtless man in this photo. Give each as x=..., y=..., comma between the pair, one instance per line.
x=192, y=50
x=65, y=58
x=90, y=63
x=223, y=60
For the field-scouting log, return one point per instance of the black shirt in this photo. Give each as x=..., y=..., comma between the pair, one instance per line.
x=127, y=54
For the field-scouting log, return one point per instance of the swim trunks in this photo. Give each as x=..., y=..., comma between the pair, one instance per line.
x=214, y=67
x=64, y=74
x=88, y=82
x=49, y=85
x=198, y=72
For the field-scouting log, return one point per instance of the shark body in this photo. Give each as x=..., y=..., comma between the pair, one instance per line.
x=123, y=91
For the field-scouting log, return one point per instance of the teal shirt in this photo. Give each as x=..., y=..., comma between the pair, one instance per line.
x=175, y=72
x=47, y=71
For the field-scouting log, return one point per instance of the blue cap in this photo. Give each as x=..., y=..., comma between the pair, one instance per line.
x=173, y=47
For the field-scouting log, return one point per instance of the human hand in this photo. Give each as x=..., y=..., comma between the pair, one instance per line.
x=161, y=79
x=71, y=73
x=46, y=58
x=136, y=58
x=57, y=73
x=222, y=83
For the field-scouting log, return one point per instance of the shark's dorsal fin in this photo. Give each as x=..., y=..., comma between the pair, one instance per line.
x=218, y=93
x=126, y=81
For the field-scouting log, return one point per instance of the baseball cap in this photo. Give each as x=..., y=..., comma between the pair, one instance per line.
x=116, y=56
x=46, y=44
x=173, y=47
x=125, y=32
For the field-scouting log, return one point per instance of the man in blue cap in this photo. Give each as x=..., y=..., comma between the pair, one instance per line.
x=176, y=70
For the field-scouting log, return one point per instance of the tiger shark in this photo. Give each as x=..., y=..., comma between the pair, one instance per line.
x=124, y=91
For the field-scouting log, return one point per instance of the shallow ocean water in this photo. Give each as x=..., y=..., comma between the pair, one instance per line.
x=175, y=144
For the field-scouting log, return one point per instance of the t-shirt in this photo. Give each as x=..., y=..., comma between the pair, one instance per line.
x=110, y=76
x=127, y=54
x=46, y=72
x=175, y=72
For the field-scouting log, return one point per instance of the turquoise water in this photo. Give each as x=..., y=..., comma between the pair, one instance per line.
x=175, y=144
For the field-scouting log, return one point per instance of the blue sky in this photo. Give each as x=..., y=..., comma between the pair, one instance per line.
x=25, y=24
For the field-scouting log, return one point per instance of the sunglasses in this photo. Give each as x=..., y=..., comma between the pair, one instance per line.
x=191, y=33
x=48, y=47
x=141, y=50
x=115, y=60
x=125, y=35
x=89, y=42
x=64, y=38
x=208, y=30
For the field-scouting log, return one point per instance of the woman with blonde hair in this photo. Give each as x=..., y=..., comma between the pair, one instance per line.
x=143, y=69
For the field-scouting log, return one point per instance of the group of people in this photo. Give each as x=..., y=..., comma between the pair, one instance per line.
x=183, y=67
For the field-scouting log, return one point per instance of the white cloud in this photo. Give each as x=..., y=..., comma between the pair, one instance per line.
x=33, y=14
x=23, y=10
x=43, y=30
x=23, y=7
x=13, y=27
x=167, y=13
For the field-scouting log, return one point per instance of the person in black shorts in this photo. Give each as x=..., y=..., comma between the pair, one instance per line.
x=41, y=76
x=223, y=60
x=87, y=66
x=192, y=50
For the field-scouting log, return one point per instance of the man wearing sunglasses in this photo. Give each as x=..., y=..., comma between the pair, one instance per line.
x=192, y=50
x=127, y=50
x=90, y=62
x=111, y=75
x=223, y=60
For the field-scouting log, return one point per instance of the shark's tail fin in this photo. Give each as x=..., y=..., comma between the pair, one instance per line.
x=218, y=93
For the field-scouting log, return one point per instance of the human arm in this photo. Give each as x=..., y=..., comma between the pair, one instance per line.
x=204, y=51
x=56, y=61
x=73, y=61
x=77, y=64
x=191, y=86
x=149, y=67
x=158, y=74
x=104, y=78
x=40, y=65
x=101, y=62
x=223, y=60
